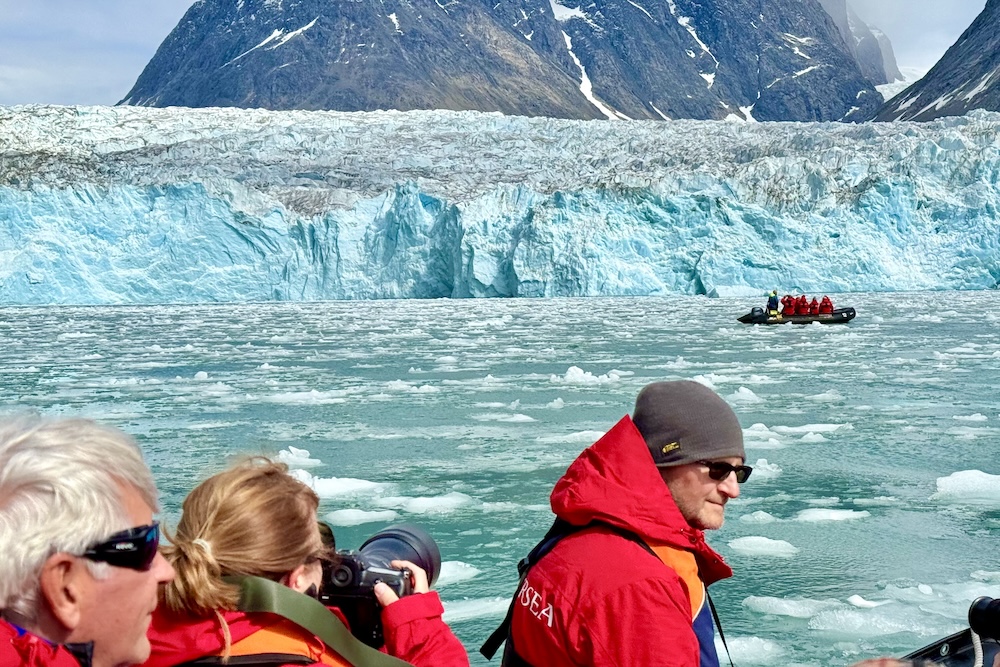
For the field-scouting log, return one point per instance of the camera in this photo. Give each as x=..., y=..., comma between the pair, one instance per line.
x=349, y=580
x=984, y=617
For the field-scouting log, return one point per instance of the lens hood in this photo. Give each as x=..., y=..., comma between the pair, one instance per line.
x=404, y=542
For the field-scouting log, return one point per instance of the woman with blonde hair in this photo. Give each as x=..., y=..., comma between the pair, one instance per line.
x=256, y=520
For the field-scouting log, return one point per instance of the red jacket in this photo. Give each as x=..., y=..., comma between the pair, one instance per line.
x=413, y=629
x=598, y=599
x=28, y=650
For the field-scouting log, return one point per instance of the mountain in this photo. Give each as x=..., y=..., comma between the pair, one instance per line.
x=608, y=58
x=869, y=46
x=967, y=76
x=105, y=205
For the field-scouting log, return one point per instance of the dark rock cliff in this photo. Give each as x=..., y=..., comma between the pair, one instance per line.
x=780, y=60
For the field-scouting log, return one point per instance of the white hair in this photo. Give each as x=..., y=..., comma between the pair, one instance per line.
x=60, y=491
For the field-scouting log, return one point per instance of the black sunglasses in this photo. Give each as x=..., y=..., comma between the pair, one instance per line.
x=719, y=470
x=134, y=548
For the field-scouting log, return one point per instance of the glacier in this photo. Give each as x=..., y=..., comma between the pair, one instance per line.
x=127, y=205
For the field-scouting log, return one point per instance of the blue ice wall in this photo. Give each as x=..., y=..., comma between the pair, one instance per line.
x=131, y=205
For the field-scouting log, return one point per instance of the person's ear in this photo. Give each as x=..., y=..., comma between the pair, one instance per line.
x=296, y=579
x=62, y=583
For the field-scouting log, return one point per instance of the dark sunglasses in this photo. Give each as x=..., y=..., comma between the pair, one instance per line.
x=719, y=470
x=134, y=548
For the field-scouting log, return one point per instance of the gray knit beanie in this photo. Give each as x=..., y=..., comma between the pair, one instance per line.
x=685, y=421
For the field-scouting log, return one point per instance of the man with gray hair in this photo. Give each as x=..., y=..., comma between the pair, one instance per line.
x=78, y=545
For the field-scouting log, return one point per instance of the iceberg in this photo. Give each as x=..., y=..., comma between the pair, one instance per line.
x=123, y=205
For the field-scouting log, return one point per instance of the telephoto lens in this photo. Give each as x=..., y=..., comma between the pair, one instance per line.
x=404, y=542
x=984, y=617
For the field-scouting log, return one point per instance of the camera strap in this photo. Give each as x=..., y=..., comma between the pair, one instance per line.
x=263, y=595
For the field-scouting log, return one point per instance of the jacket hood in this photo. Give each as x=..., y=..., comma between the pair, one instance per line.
x=176, y=639
x=615, y=481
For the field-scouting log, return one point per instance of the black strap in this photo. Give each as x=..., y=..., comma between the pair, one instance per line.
x=718, y=624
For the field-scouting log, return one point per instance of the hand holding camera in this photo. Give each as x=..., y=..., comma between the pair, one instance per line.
x=418, y=583
x=395, y=562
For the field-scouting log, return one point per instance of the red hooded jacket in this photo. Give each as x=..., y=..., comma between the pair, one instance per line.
x=23, y=649
x=598, y=599
x=413, y=630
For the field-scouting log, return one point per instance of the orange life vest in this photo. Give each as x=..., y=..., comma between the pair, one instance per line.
x=683, y=563
x=286, y=638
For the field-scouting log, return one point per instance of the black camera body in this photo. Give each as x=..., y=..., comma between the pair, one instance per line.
x=354, y=574
x=349, y=581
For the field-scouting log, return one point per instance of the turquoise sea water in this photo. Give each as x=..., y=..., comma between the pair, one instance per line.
x=865, y=529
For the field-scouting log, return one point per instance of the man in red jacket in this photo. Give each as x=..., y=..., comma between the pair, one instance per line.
x=78, y=546
x=656, y=480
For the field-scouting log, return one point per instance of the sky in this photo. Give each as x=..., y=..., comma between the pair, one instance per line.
x=92, y=51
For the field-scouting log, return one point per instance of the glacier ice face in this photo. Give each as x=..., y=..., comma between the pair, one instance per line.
x=134, y=205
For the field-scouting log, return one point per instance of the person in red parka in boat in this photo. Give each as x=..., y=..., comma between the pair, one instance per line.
x=642, y=495
x=626, y=585
x=78, y=545
x=814, y=306
x=825, y=306
x=257, y=519
x=802, y=305
x=787, y=305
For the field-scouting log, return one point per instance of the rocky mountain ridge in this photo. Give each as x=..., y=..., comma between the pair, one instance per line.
x=785, y=60
x=967, y=77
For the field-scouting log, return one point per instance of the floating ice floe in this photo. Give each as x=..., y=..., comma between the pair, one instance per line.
x=502, y=417
x=294, y=457
x=576, y=436
x=356, y=517
x=751, y=650
x=814, y=428
x=456, y=611
x=756, y=545
x=819, y=515
x=793, y=608
x=311, y=397
x=862, y=603
x=826, y=397
x=744, y=395
x=973, y=487
x=764, y=470
x=331, y=487
x=758, y=517
x=578, y=376
x=444, y=504
x=454, y=571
